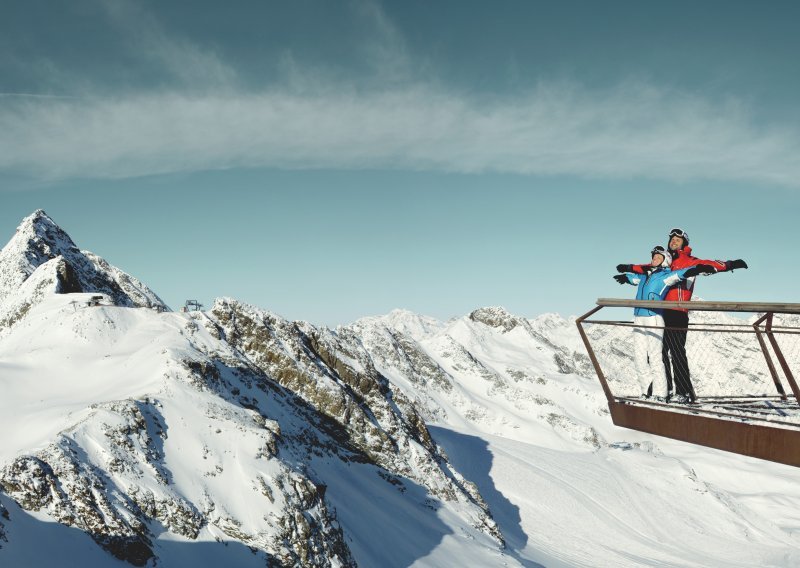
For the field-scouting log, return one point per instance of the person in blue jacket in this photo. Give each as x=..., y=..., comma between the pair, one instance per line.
x=648, y=339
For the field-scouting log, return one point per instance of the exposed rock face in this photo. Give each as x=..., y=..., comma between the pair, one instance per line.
x=495, y=317
x=75, y=495
x=68, y=280
x=334, y=373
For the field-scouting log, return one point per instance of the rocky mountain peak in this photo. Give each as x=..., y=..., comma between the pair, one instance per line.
x=496, y=317
x=38, y=240
x=40, y=227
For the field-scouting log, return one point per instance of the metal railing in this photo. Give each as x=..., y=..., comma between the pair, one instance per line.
x=742, y=405
x=727, y=356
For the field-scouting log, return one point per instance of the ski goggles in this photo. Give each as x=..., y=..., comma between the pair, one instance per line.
x=658, y=250
x=679, y=233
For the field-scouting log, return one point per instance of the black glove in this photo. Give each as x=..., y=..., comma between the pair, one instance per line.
x=621, y=278
x=700, y=269
x=732, y=264
x=624, y=268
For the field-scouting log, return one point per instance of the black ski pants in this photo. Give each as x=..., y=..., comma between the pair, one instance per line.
x=674, y=353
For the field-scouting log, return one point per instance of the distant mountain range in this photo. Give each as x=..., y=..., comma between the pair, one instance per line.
x=134, y=435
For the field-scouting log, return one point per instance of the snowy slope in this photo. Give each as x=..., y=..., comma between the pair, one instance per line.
x=134, y=426
x=124, y=434
x=518, y=410
x=138, y=436
x=157, y=437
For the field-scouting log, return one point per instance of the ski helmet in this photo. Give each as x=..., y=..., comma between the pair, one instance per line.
x=667, y=258
x=676, y=232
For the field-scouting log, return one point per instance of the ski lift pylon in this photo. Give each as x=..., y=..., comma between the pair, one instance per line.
x=192, y=306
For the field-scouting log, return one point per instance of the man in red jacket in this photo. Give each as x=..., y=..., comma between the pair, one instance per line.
x=676, y=322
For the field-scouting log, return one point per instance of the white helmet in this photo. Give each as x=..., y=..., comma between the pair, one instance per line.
x=658, y=249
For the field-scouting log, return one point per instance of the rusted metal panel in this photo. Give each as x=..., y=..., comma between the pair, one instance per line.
x=747, y=307
x=776, y=444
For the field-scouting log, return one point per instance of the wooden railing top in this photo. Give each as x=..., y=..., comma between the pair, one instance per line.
x=753, y=307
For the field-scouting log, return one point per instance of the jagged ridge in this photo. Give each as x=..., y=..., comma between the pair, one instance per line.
x=136, y=401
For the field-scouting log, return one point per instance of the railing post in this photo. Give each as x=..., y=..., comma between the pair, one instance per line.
x=781, y=359
x=772, y=370
x=592, y=357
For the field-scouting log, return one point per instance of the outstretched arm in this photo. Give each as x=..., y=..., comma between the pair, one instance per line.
x=712, y=268
x=627, y=278
x=685, y=273
x=635, y=268
x=719, y=265
x=698, y=269
x=734, y=264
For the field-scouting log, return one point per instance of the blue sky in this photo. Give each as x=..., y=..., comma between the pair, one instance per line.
x=332, y=160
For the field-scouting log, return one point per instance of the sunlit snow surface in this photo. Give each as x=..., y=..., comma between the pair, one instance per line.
x=566, y=487
x=519, y=427
x=64, y=357
x=67, y=367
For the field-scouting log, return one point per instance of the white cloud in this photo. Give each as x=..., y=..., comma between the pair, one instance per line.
x=388, y=120
x=631, y=131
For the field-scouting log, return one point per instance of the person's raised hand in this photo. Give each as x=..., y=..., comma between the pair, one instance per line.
x=733, y=264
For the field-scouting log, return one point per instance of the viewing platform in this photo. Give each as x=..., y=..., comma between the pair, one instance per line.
x=741, y=356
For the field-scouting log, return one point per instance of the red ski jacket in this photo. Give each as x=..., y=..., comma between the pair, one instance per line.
x=682, y=292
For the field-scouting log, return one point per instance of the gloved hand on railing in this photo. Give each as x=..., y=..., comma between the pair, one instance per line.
x=733, y=264
x=624, y=268
x=700, y=269
x=621, y=278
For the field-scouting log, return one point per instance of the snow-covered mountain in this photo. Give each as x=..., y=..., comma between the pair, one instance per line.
x=41, y=259
x=143, y=430
x=138, y=436
x=517, y=407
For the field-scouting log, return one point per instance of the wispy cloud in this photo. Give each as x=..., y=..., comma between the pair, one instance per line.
x=631, y=131
x=185, y=61
x=385, y=48
x=399, y=121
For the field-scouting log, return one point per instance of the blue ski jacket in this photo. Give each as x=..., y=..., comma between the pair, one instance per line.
x=654, y=286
